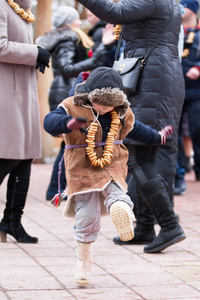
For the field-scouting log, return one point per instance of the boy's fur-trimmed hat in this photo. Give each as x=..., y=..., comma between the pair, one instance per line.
x=103, y=86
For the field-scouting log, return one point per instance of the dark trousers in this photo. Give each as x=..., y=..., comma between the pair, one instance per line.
x=165, y=163
x=17, y=188
x=150, y=186
x=193, y=111
x=14, y=167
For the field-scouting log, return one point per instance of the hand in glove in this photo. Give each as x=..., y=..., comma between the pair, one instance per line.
x=99, y=52
x=164, y=134
x=42, y=59
x=77, y=124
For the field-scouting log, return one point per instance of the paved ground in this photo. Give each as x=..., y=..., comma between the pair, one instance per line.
x=45, y=270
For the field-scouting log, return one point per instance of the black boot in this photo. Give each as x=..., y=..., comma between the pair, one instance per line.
x=158, y=200
x=11, y=223
x=144, y=231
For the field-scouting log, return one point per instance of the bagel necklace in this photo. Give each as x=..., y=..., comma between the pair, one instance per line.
x=25, y=15
x=108, y=149
x=117, y=30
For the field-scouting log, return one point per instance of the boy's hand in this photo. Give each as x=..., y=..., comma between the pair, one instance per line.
x=76, y=123
x=164, y=134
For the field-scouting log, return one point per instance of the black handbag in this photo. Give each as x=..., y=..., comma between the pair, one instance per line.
x=130, y=68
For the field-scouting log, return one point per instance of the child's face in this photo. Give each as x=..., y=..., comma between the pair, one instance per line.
x=102, y=109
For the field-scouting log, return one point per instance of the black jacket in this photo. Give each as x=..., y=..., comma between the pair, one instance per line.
x=69, y=58
x=193, y=59
x=159, y=99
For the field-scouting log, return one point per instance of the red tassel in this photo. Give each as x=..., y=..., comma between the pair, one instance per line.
x=56, y=200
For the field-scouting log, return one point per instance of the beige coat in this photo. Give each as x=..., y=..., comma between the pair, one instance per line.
x=81, y=176
x=19, y=111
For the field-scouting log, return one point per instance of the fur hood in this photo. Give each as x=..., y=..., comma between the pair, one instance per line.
x=104, y=96
x=56, y=36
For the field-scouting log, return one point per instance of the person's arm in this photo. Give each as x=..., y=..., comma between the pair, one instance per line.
x=66, y=60
x=147, y=135
x=15, y=52
x=58, y=122
x=55, y=122
x=123, y=12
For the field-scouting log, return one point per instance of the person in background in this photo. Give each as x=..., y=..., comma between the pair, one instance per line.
x=94, y=123
x=97, y=33
x=191, y=71
x=19, y=114
x=157, y=102
x=71, y=52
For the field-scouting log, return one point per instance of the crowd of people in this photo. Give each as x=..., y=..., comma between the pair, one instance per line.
x=123, y=153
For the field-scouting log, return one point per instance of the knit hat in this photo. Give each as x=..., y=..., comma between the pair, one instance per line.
x=103, y=86
x=191, y=4
x=64, y=15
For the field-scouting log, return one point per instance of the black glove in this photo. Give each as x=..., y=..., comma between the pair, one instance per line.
x=42, y=59
x=99, y=52
x=164, y=134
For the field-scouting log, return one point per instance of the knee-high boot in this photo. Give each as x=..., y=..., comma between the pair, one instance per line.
x=144, y=230
x=84, y=252
x=158, y=200
x=17, y=189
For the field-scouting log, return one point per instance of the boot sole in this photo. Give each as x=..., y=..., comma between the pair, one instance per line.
x=132, y=242
x=123, y=220
x=166, y=245
x=82, y=282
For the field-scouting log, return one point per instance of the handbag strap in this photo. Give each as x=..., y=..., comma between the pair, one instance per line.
x=154, y=45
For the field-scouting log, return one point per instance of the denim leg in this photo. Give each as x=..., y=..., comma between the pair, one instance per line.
x=87, y=217
x=113, y=193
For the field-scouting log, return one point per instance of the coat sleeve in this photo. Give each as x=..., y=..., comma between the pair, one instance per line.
x=15, y=52
x=55, y=122
x=123, y=12
x=143, y=133
x=66, y=61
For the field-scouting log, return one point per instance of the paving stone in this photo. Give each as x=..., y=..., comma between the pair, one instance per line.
x=45, y=270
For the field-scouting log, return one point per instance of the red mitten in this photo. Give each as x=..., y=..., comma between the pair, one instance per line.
x=76, y=123
x=165, y=133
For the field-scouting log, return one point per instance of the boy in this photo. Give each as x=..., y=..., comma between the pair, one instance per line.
x=96, y=159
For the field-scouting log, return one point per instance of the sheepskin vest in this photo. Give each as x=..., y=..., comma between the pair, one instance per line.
x=81, y=176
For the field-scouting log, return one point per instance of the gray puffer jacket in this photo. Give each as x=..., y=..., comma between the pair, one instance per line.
x=159, y=99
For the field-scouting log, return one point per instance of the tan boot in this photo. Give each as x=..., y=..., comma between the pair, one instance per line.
x=84, y=262
x=123, y=218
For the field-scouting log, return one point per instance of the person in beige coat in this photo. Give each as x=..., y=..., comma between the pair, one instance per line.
x=19, y=114
x=94, y=123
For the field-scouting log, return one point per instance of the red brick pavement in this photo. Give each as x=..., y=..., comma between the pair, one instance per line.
x=45, y=270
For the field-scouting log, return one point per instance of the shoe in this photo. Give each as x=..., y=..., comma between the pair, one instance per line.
x=198, y=177
x=165, y=239
x=187, y=165
x=18, y=233
x=144, y=238
x=180, y=186
x=123, y=218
